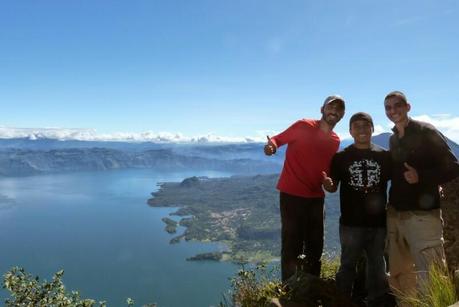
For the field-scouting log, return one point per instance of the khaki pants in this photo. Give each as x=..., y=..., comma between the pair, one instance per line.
x=415, y=243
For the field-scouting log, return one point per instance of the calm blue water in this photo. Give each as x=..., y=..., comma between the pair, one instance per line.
x=111, y=244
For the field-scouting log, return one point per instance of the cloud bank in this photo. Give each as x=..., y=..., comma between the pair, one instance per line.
x=63, y=134
x=446, y=123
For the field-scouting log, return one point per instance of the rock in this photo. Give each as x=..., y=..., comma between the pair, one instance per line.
x=456, y=280
x=450, y=211
x=275, y=303
x=309, y=290
x=281, y=303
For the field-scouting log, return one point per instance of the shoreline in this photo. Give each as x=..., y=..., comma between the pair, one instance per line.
x=211, y=211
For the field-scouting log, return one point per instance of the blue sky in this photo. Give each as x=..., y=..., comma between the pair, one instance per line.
x=223, y=68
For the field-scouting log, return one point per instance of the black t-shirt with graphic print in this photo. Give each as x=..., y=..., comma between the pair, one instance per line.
x=362, y=175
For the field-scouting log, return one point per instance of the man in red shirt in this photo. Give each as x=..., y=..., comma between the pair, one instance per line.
x=311, y=146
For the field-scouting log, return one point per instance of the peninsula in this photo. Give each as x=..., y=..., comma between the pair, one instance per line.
x=241, y=212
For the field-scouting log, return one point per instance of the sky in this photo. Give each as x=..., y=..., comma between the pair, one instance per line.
x=220, y=70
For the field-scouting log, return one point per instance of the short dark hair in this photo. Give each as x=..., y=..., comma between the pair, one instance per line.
x=398, y=94
x=361, y=116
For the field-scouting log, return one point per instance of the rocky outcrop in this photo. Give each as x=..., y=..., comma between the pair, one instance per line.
x=450, y=210
x=309, y=290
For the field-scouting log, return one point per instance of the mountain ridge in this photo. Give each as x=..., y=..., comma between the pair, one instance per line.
x=22, y=157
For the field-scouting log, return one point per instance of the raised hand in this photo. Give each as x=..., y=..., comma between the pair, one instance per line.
x=411, y=174
x=270, y=147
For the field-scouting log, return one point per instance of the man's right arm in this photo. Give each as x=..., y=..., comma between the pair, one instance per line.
x=282, y=138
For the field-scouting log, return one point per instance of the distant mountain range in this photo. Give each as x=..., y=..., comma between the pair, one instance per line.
x=49, y=144
x=22, y=162
x=20, y=157
x=383, y=141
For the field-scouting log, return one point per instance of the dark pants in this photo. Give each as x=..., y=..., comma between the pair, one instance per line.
x=354, y=242
x=302, y=233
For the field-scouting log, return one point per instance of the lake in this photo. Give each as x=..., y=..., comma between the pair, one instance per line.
x=110, y=243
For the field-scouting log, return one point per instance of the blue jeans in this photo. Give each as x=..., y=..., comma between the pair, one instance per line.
x=355, y=241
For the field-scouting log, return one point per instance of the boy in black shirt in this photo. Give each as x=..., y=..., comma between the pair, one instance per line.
x=363, y=170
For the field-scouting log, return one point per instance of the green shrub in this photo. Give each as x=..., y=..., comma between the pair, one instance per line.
x=26, y=290
x=254, y=287
x=257, y=286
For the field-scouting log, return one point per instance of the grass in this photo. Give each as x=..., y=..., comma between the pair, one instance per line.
x=256, y=286
x=438, y=291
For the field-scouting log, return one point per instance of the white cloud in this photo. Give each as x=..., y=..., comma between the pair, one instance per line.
x=446, y=123
x=52, y=133
x=379, y=129
x=147, y=136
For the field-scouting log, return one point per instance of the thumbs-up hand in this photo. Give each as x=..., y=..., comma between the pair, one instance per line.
x=440, y=191
x=411, y=174
x=327, y=183
x=270, y=147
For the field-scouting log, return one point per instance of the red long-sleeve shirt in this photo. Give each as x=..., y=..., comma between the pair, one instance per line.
x=309, y=152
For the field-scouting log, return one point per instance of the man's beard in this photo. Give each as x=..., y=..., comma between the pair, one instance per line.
x=331, y=120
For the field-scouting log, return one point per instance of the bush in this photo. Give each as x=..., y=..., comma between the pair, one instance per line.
x=254, y=287
x=257, y=286
x=27, y=290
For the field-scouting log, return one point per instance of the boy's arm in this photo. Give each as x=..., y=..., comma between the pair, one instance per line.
x=330, y=183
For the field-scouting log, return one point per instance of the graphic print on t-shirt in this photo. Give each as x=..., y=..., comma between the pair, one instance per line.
x=365, y=174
